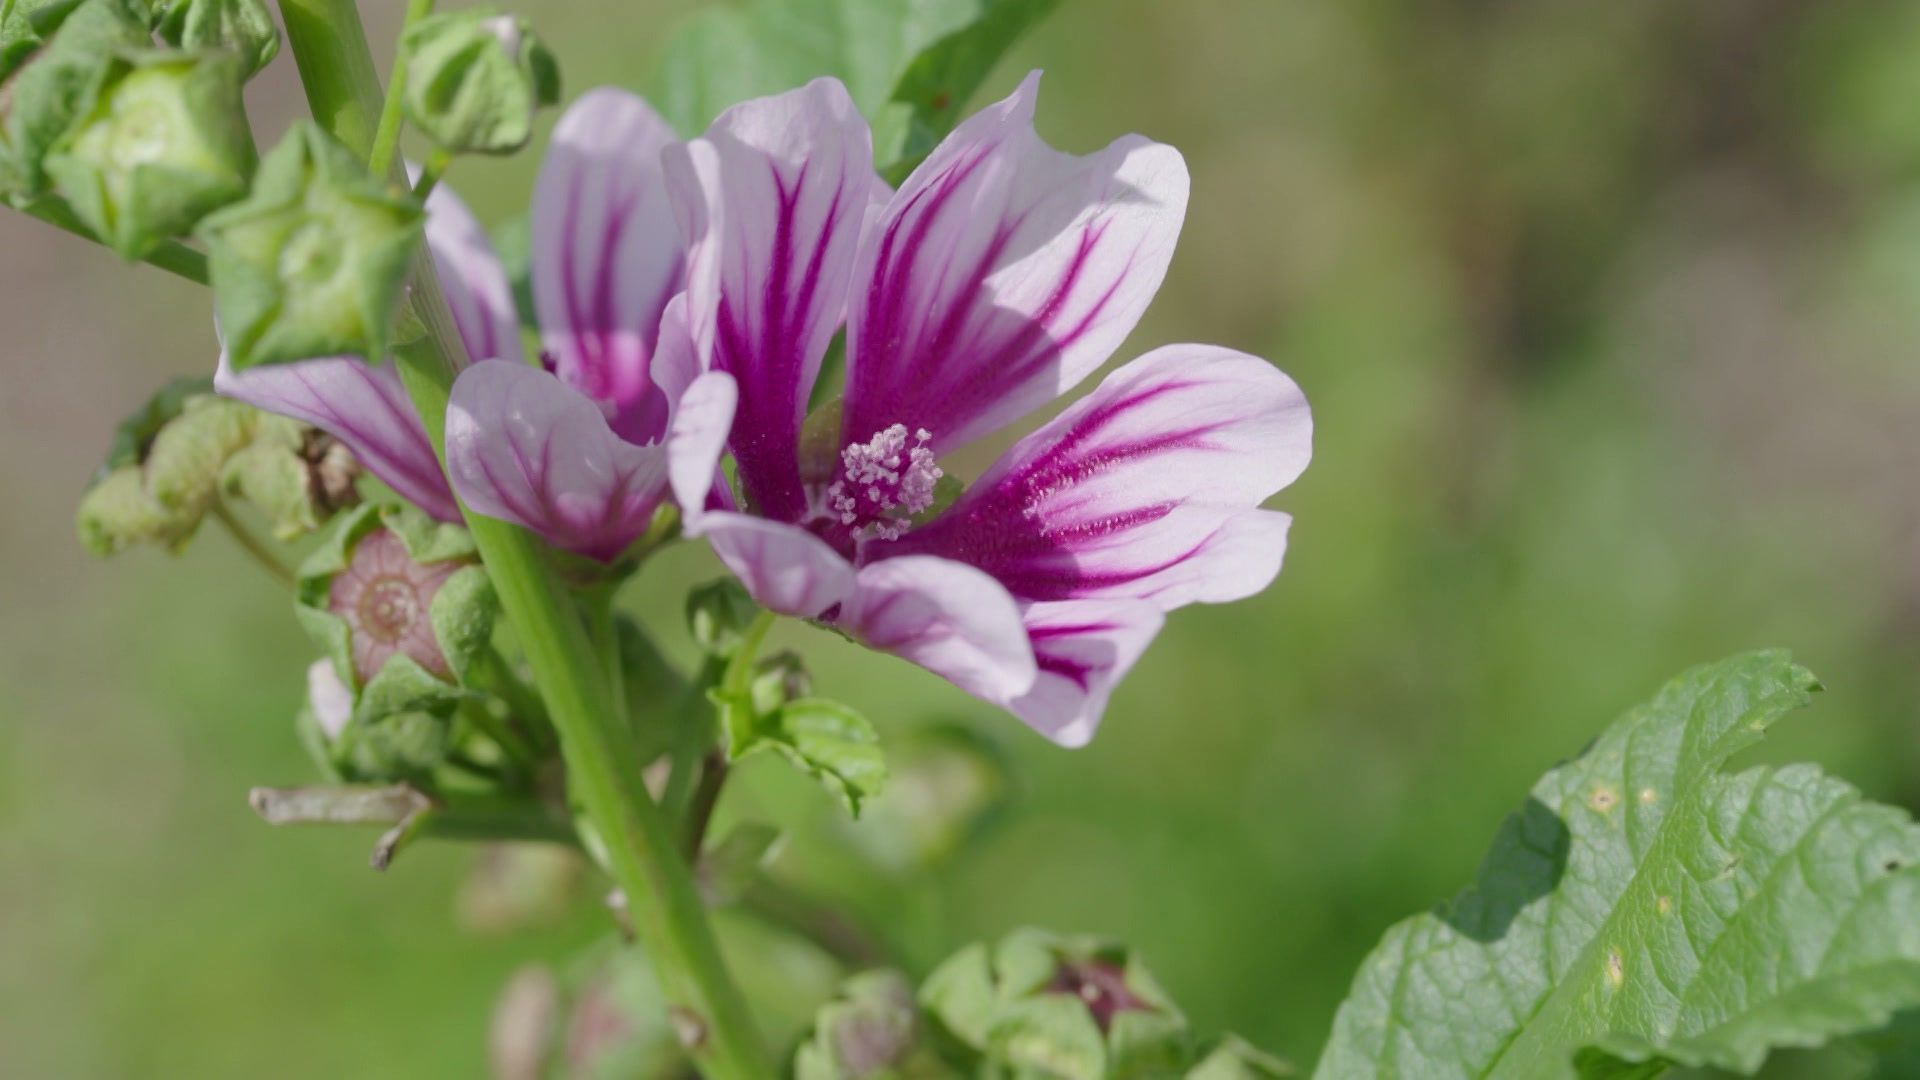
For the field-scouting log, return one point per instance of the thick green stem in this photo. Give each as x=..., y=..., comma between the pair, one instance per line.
x=602, y=762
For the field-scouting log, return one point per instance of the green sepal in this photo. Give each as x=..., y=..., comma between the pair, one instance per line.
x=162, y=142
x=25, y=25
x=1233, y=1058
x=825, y=739
x=313, y=261
x=463, y=613
x=243, y=27
x=183, y=463
x=1049, y=1035
x=47, y=94
x=475, y=80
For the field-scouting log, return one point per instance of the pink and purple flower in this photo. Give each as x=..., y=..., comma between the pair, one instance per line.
x=1001, y=274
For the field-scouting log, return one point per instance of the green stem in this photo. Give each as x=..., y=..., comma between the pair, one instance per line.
x=692, y=734
x=386, y=139
x=430, y=174
x=605, y=631
x=500, y=732
x=602, y=764
x=172, y=256
x=251, y=544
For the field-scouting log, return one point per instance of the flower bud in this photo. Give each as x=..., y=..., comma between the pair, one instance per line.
x=874, y=1030
x=298, y=476
x=401, y=605
x=162, y=472
x=312, y=262
x=474, y=81
x=61, y=54
x=718, y=614
x=117, y=513
x=243, y=27
x=1068, y=1007
x=163, y=143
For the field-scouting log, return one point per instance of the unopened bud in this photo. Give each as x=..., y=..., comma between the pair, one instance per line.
x=312, y=262
x=298, y=476
x=163, y=143
x=874, y=1030
x=243, y=27
x=474, y=81
x=718, y=615
x=117, y=513
x=778, y=679
x=186, y=456
x=60, y=51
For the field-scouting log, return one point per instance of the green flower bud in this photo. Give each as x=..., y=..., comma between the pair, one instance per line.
x=718, y=614
x=874, y=1030
x=475, y=79
x=312, y=262
x=242, y=27
x=25, y=25
x=298, y=476
x=163, y=143
x=187, y=455
x=56, y=82
x=1233, y=1058
x=1075, y=1008
x=117, y=513
x=401, y=605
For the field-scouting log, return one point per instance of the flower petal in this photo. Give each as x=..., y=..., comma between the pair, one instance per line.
x=784, y=567
x=697, y=439
x=947, y=617
x=771, y=200
x=1004, y=272
x=606, y=256
x=475, y=283
x=330, y=699
x=363, y=406
x=676, y=362
x=523, y=447
x=1143, y=489
x=1084, y=648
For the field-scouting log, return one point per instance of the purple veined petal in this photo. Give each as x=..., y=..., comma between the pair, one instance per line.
x=1083, y=648
x=1002, y=273
x=696, y=440
x=784, y=567
x=606, y=255
x=1145, y=488
x=947, y=617
x=524, y=447
x=771, y=201
x=363, y=406
x=475, y=283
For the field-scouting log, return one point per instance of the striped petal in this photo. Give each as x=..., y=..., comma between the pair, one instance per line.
x=606, y=255
x=702, y=417
x=771, y=200
x=363, y=406
x=1002, y=273
x=1145, y=489
x=524, y=447
x=475, y=283
x=784, y=567
x=947, y=617
x=1083, y=649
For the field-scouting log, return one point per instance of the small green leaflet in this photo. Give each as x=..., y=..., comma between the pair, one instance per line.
x=825, y=739
x=910, y=65
x=1645, y=908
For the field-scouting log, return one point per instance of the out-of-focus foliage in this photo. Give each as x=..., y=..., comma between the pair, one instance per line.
x=1609, y=314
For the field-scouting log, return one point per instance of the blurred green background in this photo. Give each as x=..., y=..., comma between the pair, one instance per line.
x=1608, y=313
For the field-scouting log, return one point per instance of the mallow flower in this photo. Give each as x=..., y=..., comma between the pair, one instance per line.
x=575, y=449
x=999, y=275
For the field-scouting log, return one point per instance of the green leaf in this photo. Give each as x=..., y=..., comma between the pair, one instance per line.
x=825, y=739
x=896, y=56
x=1644, y=907
x=936, y=86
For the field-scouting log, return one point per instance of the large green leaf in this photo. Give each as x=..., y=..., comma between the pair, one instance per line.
x=930, y=55
x=1643, y=907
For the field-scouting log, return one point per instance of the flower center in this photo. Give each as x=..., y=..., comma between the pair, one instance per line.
x=385, y=597
x=883, y=482
x=388, y=608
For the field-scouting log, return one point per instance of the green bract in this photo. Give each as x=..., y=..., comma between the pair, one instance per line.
x=475, y=79
x=242, y=27
x=43, y=98
x=1045, y=1005
x=1643, y=907
x=297, y=476
x=873, y=1030
x=312, y=262
x=163, y=142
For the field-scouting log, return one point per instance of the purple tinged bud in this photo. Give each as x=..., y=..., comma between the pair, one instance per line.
x=1102, y=985
x=386, y=599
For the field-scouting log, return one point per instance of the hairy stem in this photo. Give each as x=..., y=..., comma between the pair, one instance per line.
x=262, y=555
x=337, y=71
